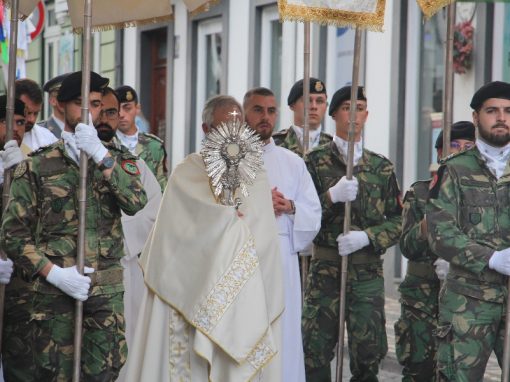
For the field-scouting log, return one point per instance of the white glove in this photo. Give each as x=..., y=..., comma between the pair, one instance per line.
x=12, y=154
x=5, y=271
x=352, y=242
x=442, y=268
x=344, y=190
x=88, y=141
x=500, y=261
x=69, y=281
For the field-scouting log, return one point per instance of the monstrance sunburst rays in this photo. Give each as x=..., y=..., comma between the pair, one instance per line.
x=232, y=154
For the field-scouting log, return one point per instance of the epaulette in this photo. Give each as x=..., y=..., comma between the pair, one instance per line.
x=155, y=137
x=281, y=133
x=453, y=155
x=44, y=149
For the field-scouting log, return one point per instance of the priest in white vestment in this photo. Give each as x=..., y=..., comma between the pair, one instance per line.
x=211, y=310
x=298, y=214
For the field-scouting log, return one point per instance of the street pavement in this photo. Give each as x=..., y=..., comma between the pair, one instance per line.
x=390, y=369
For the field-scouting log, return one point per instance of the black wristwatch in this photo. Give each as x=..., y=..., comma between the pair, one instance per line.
x=106, y=163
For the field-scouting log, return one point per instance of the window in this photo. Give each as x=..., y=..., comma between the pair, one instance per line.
x=271, y=50
x=209, y=68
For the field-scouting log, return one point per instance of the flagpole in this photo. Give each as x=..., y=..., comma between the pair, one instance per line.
x=347, y=214
x=306, y=130
x=448, y=83
x=9, y=118
x=82, y=191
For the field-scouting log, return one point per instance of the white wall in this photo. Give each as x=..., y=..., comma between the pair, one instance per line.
x=130, y=55
x=378, y=83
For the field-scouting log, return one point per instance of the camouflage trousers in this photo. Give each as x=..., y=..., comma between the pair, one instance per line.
x=39, y=334
x=469, y=330
x=365, y=320
x=415, y=343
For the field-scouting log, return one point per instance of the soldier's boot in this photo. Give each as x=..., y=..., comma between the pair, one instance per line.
x=318, y=374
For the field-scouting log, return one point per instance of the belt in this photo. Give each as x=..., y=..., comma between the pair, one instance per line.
x=331, y=254
x=423, y=270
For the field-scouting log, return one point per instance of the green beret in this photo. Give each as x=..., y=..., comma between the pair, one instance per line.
x=316, y=87
x=126, y=94
x=19, y=107
x=54, y=83
x=496, y=89
x=460, y=130
x=344, y=94
x=71, y=86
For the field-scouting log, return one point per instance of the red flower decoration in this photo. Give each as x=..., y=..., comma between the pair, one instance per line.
x=463, y=47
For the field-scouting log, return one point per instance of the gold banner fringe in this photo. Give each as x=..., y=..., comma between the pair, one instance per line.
x=430, y=7
x=203, y=8
x=126, y=24
x=370, y=21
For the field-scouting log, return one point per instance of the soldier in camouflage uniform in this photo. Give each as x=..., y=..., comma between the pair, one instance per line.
x=376, y=220
x=39, y=233
x=292, y=138
x=415, y=343
x=147, y=146
x=468, y=220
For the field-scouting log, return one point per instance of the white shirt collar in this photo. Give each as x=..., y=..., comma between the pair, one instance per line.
x=313, y=136
x=130, y=141
x=343, y=146
x=496, y=158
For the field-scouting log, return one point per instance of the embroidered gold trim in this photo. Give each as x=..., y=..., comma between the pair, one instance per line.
x=203, y=8
x=260, y=355
x=210, y=311
x=179, y=349
x=430, y=7
x=126, y=24
x=365, y=20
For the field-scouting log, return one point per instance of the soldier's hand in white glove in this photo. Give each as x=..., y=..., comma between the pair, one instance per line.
x=500, y=261
x=69, y=281
x=352, y=242
x=11, y=154
x=344, y=190
x=6, y=268
x=88, y=141
x=442, y=268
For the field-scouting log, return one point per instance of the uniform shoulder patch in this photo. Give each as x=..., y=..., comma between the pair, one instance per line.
x=152, y=136
x=130, y=167
x=20, y=170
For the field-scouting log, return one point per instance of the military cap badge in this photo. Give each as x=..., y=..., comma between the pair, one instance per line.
x=319, y=86
x=129, y=96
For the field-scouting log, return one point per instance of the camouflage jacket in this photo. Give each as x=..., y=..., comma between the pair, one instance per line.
x=40, y=222
x=468, y=218
x=413, y=243
x=152, y=150
x=377, y=208
x=288, y=139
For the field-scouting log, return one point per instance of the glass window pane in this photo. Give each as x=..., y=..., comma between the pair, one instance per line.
x=213, y=68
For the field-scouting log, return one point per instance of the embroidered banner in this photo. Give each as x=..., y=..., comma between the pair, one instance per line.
x=430, y=7
x=366, y=14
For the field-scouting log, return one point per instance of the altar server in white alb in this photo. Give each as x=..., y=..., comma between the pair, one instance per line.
x=298, y=216
x=212, y=308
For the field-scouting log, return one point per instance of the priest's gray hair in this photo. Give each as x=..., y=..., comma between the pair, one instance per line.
x=215, y=103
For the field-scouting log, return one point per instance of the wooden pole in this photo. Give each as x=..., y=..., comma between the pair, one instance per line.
x=82, y=191
x=306, y=132
x=347, y=216
x=448, y=80
x=9, y=119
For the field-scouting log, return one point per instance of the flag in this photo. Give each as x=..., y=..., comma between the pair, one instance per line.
x=366, y=14
x=430, y=7
x=199, y=6
x=113, y=14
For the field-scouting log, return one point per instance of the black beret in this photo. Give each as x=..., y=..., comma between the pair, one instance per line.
x=496, y=89
x=19, y=107
x=460, y=130
x=344, y=94
x=316, y=87
x=54, y=83
x=71, y=86
x=126, y=94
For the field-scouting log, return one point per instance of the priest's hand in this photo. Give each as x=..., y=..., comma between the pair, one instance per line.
x=69, y=281
x=344, y=190
x=280, y=204
x=351, y=242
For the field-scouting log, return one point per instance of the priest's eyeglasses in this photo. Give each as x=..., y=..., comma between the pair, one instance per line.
x=109, y=114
